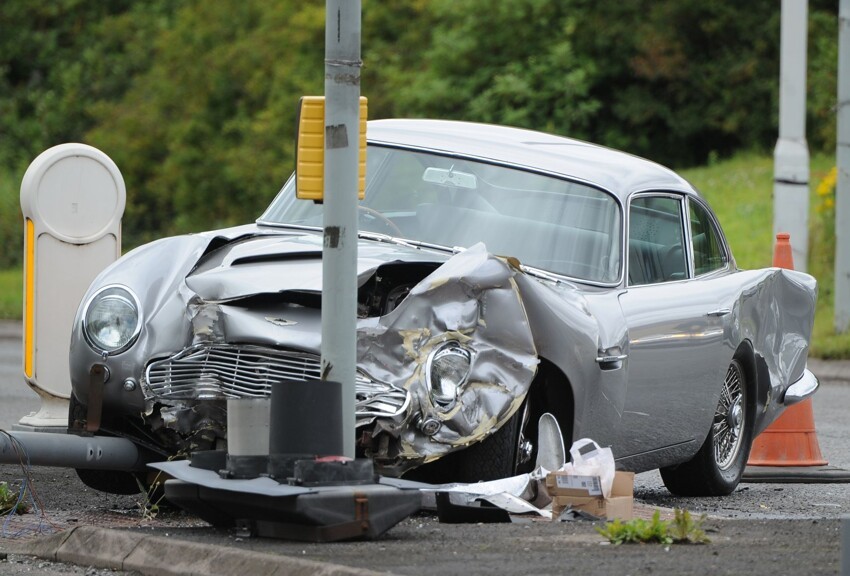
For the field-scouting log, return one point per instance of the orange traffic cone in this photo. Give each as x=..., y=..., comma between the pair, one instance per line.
x=791, y=439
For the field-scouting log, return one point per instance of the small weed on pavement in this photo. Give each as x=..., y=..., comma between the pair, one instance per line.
x=683, y=529
x=10, y=499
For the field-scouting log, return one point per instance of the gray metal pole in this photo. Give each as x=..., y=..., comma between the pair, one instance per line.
x=339, y=260
x=842, y=189
x=791, y=156
x=69, y=451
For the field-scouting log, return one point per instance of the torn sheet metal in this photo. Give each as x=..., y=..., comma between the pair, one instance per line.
x=472, y=299
x=523, y=494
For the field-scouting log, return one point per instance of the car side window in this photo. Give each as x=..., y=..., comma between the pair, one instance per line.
x=709, y=254
x=656, y=240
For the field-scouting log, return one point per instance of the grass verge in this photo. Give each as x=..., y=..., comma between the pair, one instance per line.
x=741, y=192
x=11, y=294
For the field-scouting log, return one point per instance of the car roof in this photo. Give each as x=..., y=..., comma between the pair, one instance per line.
x=615, y=171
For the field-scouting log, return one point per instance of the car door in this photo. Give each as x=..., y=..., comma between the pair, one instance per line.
x=675, y=330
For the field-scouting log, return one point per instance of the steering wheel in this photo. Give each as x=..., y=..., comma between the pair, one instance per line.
x=372, y=214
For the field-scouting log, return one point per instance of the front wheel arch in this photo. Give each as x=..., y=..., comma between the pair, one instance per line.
x=550, y=391
x=495, y=456
x=746, y=356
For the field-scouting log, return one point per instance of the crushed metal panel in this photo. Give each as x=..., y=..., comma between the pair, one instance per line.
x=473, y=299
x=775, y=312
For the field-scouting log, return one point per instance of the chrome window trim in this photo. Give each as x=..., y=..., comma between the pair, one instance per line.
x=727, y=252
x=681, y=198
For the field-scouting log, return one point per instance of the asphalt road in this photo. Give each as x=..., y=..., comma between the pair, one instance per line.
x=759, y=529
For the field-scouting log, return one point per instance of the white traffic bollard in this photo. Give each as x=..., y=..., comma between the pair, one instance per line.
x=72, y=199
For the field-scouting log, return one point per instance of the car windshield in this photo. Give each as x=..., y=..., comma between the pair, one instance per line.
x=545, y=222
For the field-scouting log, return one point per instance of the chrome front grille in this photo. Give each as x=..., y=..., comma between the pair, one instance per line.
x=207, y=371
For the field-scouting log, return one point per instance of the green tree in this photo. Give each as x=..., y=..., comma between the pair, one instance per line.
x=205, y=136
x=511, y=62
x=680, y=80
x=57, y=59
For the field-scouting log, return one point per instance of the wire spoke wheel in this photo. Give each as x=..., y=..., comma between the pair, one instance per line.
x=729, y=418
x=716, y=468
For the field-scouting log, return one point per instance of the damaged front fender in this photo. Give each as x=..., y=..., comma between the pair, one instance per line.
x=473, y=300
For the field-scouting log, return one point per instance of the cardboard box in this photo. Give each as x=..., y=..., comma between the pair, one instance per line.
x=573, y=485
x=583, y=493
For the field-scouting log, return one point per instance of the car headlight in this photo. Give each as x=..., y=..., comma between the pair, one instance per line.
x=111, y=319
x=446, y=371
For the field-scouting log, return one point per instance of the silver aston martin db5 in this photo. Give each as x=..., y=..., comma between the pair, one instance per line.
x=502, y=273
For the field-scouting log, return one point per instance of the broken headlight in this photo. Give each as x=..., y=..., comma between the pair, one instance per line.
x=446, y=372
x=111, y=320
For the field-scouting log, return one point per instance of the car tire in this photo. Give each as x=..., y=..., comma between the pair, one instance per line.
x=492, y=458
x=498, y=455
x=717, y=468
x=111, y=481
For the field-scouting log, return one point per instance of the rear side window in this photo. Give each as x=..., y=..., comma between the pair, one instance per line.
x=709, y=254
x=656, y=240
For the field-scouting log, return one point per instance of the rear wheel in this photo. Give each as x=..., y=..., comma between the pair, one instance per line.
x=717, y=468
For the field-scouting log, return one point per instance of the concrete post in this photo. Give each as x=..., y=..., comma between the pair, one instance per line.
x=791, y=156
x=339, y=259
x=842, y=189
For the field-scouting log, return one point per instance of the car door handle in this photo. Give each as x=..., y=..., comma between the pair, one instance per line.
x=611, y=359
x=720, y=312
x=612, y=362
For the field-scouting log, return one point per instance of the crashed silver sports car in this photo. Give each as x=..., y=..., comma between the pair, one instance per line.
x=503, y=273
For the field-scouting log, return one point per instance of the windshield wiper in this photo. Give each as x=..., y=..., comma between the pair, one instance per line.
x=377, y=236
x=542, y=274
x=405, y=242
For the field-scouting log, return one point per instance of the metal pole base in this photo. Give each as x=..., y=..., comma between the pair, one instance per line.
x=326, y=514
x=324, y=502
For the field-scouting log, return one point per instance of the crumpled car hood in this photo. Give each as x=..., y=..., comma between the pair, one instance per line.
x=252, y=265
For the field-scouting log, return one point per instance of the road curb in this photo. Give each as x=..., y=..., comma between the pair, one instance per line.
x=831, y=370
x=158, y=556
